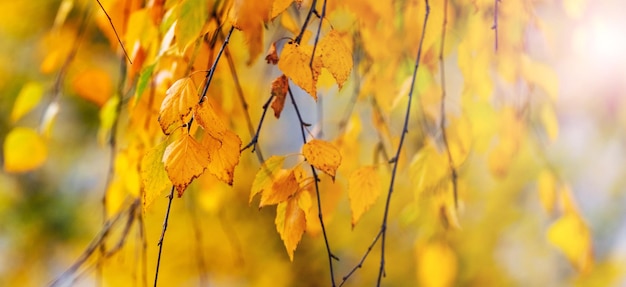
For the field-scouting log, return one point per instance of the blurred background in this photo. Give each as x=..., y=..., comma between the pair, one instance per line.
x=49, y=216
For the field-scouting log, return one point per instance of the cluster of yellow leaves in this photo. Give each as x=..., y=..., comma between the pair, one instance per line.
x=569, y=233
x=303, y=68
x=289, y=189
x=186, y=158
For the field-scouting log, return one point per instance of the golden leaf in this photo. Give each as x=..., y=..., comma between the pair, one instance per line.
x=280, y=88
x=278, y=6
x=294, y=62
x=436, y=265
x=265, y=176
x=249, y=16
x=363, y=190
x=546, y=183
x=180, y=98
x=459, y=135
x=291, y=221
x=185, y=159
x=24, y=150
x=335, y=56
x=222, y=143
x=26, y=100
x=550, y=122
x=323, y=156
x=571, y=235
x=429, y=168
x=284, y=185
x=93, y=85
x=153, y=175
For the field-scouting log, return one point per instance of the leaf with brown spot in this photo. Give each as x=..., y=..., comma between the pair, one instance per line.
x=323, y=156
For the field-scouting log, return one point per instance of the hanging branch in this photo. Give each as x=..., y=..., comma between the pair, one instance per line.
x=495, y=23
x=306, y=21
x=316, y=178
x=115, y=31
x=255, y=138
x=208, y=79
x=442, y=123
x=396, y=159
x=317, y=36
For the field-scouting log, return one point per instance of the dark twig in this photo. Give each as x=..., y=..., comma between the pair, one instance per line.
x=115, y=31
x=208, y=78
x=331, y=256
x=306, y=21
x=442, y=123
x=255, y=138
x=495, y=23
x=317, y=36
x=396, y=159
x=360, y=264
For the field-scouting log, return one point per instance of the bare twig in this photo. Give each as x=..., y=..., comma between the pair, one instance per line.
x=331, y=256
x=317, y=36
x=165, y=221
x=306, y=21
x=115, y=31
x=396, y=159
x=360, y=264
x=495, y=23
x=255, y=138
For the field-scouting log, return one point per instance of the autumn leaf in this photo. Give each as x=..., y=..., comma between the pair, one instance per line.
x=249, y=16
x=278, y=6
x=363, y=190
x=323, y=156
x=108, y=115
x=180, y=98
x=93, y=85
x=571, y=235
x=154, y=178
x=280, y=88
x=190, y=22
x=335, y=56
x=272, y=55
x=291, y=221
x=222, y=143
x=282, y=187
x=266, y=175
x=459, y=134
x=294, y=62
x=24, y=150
x=546, y=183
x=185, y=159
x=26, y=100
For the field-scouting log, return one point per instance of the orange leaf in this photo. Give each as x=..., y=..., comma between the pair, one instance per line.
x=24, y=150
x=335, y=56
x=185, y=159
x=93, y=85
x=290, y=220
x=180, y=98
x=294, y=62
x=222, y=143
x=272, y=56
x=323, y=156
x=363, y=190
x=265, y=176
x=280, y=87
x=249, y=16
x=283, y=186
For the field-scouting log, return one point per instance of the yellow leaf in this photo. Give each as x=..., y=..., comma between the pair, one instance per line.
x=550, y=122
x=363, y=190
x=335, y=56
x=547, y=190
x=283, y=186
x=108, y=114
x=291, y=222
x=26, y=100
x=571, y=235
x=249, y=16
x=266, y=175
x=323, y=156
x=279, y=90
x=278, y=6
x=459, y=135
x=429, y=168
x=180, y=98
x=93, y=85
x=185, y=159
x=436, y=265
x=222, y=143
x=153, y=175
x=24, y=150
x=294, y=62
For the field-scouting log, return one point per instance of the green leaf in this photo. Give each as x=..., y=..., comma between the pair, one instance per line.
x=192, y=18
x=144, y=79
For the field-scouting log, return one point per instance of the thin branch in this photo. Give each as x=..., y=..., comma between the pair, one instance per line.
x=360, y=264
x=442, y=123
x=396, y=159
x=495, y=23
x=306, y=21
x=331, y=256
x=255, y=138
x=317, y=36
x=167, y=217
x=115, y=31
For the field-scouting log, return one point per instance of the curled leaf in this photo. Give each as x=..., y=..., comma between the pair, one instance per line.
x=272, y=55
x=280, y=87
x=323, y=156
x=180, y=98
